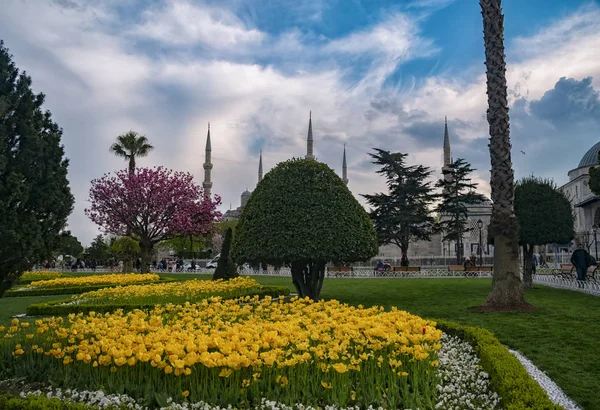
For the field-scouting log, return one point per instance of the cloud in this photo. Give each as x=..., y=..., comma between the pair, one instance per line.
x=181, y=23
x=397, y=37
x=569, y=100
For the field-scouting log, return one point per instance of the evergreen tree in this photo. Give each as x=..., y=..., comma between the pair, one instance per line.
x=226, y=267
x=403, y=214
x=35, y=199
x=99, y=249
x=69, y=245
x=458, y=192
x=538, y=201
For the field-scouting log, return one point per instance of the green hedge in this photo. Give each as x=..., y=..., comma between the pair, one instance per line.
x=54, y=308
x=508, y=377
x=10, y=402
x=77, y=289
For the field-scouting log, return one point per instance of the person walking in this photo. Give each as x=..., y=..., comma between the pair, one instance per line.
x=582, y=260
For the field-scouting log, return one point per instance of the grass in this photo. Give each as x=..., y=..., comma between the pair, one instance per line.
x=561, y=338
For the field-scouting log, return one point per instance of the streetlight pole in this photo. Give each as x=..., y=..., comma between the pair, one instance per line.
x=480, y=226
x=595, y=229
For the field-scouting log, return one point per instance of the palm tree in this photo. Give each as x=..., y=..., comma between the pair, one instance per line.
x=507, y=291
x=131, y=145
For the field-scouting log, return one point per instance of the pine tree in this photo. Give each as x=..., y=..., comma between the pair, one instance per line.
x=35, y=199
x=226, y=267
x=458, y=192
x=403, y=214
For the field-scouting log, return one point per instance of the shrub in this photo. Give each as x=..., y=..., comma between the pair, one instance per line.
x=508, y=377
x=301, y=214
x=10, y=402
x=226, y=267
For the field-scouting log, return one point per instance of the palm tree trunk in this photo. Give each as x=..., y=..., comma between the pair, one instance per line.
x=131, y=164
x=507, y=291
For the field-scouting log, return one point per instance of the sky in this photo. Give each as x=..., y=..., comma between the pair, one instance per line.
x=374, y=73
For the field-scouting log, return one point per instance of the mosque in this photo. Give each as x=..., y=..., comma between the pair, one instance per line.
x=585, y=204
x=233, y=214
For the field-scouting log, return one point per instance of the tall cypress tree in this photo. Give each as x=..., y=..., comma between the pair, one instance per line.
x=226, y=267
x=35, y=199
x=458, y=192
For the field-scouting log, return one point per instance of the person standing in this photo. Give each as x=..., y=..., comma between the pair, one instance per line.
x=582, y=260
x=534, y=263
x=404, y=260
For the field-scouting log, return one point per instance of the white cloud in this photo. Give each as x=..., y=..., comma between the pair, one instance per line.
x=181, y=23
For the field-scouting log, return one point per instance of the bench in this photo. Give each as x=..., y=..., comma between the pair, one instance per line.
x=456, y=268
x=340, y=270
x=566, y=271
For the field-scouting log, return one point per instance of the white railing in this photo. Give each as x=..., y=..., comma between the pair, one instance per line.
x=591, y=287
x=369, y=272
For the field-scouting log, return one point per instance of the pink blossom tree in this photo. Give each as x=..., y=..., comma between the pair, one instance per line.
x=153, y=204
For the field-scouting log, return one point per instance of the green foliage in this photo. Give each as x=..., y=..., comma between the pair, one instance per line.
x=302, y=214
x=458, y=192
x=57, y=307
x=69, y=245
x=130, y=146
x=226, y=267
x=222, y=226
x=99, y=249
x=185, y=245
x=302, y=210
x=402, y=215
x=595, y=178
x=72, y=290
x=10, y=402
x=35, y=199
x=508, y=377
x=543, y=211
x=126, y=248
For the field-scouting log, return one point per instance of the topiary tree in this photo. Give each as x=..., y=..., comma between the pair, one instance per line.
x=302, y=215
x=226, y=267
x=126, y=249
x=544, y=215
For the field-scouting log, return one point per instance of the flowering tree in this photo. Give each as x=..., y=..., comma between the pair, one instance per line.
x=153, y=204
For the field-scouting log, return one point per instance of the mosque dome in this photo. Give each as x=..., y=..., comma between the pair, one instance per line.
x=246, y=193
x=591, y=157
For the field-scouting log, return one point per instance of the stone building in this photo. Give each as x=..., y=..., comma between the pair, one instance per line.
x=585, y=204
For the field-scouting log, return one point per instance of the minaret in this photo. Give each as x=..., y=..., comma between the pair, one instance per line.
x=207, y=184
x=309, y=139
x=260, y=170
x=447, y=152
x=446, y=169
x=344, y=168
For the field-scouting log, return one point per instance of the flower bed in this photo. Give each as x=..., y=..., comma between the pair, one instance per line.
x=68, y=306
x=508, y=377
x=32, y=276
x=79, y=284
x=239, y=351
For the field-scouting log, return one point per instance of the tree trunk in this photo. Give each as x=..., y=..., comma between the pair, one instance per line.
x=307, y=277
x=146, y=249
x=507, y=291
x=131, y=164
x=527, y=266
x=128, y=266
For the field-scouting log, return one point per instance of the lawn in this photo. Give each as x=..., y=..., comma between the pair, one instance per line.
x=562, y=338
